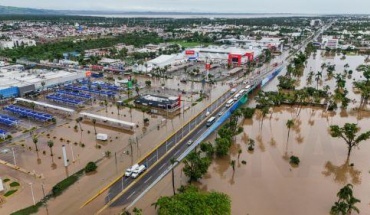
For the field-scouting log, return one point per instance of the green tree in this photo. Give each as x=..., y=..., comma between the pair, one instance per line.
x=346, y=202
x=222, y=146
x=94, y=123
x=196, y=165
x=35, y=140
x=51, y=144
x=90, y=167
x=248, y=112
x=190, y=201
x=349, y=134
x=148, y=83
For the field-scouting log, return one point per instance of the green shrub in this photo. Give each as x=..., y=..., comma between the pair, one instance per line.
x=29, y=210
x=90, y=167
x=294, y=160
x=6, y=180
x=10, y=192
x=63, y=185
x=14, y=184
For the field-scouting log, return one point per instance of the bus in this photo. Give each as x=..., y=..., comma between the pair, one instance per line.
x=229, y=103
x=237, y=96
x=210, y=121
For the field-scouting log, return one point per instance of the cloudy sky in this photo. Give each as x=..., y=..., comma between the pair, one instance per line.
x=237, y=6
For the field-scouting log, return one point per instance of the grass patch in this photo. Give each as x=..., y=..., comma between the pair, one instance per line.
x=6, y=180
x=199, y=100
x=10, y=192
x=186, y=44
x=14, y=184
x=29, y=210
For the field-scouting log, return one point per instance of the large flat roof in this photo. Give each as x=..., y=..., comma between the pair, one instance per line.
x=21, y=78
x=46, y=105
x=94, y=116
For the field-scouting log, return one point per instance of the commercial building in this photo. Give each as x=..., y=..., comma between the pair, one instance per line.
x=15, y=81
x=162, y=103
x=223, y=54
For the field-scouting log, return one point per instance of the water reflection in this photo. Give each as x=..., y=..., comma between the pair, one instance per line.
x=343, y=174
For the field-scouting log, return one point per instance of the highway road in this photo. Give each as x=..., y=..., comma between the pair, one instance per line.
x=127, y=189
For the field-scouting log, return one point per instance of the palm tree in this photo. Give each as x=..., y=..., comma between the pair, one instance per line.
x=289, y=124
x=43, y=85
x=94, y=122
x=310, y=76
x=318, y=77
x=265, y=111
x=173, y=162
x=51, y=144
x=137, y=89
x=239, y=152
x=349, y=134
x=106, y=105
x=232, y=164
x=79, y=120
x=33, y=105
x=98, y=87
x=118, y=106
x=35, y=140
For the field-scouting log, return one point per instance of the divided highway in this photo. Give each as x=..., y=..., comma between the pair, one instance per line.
x=126, y=189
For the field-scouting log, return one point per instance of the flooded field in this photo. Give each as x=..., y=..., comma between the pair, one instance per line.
x=268, y=183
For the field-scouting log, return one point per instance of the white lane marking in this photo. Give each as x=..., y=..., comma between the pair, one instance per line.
x=162, y=166
x=152, y=158
x=147, y=179
x=176, y=152
x=131, y=194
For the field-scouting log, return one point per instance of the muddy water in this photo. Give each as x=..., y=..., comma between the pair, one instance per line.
x=268, y=184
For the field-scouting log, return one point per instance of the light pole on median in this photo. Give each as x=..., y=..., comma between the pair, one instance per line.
x=33, y=197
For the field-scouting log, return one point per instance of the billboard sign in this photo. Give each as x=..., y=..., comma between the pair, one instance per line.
x=189, y=52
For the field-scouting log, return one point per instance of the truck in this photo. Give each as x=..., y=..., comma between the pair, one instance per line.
x=138, y=171
x=130, y=170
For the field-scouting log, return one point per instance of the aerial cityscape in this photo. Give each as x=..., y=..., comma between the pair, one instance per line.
x=184, y=107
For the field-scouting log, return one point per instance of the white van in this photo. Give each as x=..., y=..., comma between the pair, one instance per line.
x=102, y=137
x=130, y=170
x=229, y=103
x=237, y=96
x=138, y=171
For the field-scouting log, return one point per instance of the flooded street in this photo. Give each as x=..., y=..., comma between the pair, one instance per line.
x=268, y=183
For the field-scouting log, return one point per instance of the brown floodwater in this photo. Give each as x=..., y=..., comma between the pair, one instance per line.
x=268, y=183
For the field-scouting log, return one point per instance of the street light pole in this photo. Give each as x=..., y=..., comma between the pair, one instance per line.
x=33, y=197
x=15, y=163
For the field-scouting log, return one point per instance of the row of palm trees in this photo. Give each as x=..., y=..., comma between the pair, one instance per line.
x=50, y=143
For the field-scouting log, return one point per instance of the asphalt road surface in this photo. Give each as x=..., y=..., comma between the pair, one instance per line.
x=133, y=187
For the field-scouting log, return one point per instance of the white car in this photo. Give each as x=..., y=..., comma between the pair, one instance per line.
x=189, y=142
x=130, y=170
x=138, y=171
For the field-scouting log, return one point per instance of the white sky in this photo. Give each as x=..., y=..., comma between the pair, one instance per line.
x=236, y=6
